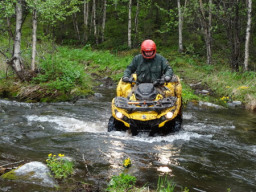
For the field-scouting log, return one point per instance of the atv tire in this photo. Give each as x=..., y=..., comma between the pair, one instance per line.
x=172, y=126
x=115, y=125
x=177, y=123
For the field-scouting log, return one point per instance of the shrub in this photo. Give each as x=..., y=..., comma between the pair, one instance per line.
x=60, y=167
x=60, y=73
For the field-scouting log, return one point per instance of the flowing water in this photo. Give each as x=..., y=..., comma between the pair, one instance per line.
x=216, y=149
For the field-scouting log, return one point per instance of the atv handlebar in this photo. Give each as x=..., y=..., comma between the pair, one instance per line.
x=156, y=83
x=159, y=82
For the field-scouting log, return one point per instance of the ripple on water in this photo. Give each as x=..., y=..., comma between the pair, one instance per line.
x=15, y=103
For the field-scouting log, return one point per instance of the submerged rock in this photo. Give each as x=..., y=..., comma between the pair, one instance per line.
x=33, y=172
x=207, y=104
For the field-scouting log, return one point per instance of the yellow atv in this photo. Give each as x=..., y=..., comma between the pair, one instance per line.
x=152, y=107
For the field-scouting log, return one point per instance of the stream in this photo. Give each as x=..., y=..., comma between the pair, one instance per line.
x=215, y=150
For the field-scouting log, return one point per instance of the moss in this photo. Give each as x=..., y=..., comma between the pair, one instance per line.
x=10, y=175
x=13, y=176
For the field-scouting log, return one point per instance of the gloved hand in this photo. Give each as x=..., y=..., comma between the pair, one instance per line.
x=126, y=79
x=167, y=78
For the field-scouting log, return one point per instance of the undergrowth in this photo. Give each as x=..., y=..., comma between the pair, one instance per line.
x=217, y=77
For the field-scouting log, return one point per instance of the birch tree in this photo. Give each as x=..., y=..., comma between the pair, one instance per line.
x=16, y=61
x=248, y=33
x=34, y=37
x=104, y=19
x=94, y=21
x=86, y=17
x=181, y=20
x=130, y=24
x=50, y=12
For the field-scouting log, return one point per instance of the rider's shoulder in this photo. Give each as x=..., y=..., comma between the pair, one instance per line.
x=158, y=56
x=139, y=56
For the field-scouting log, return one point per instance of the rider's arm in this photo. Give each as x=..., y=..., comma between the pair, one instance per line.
x=131, y=68
x=167, y=70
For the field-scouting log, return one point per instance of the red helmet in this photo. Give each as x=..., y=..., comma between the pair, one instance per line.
x=148, y=49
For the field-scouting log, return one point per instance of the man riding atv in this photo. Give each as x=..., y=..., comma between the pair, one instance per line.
x=148, y=95
x=149, y=66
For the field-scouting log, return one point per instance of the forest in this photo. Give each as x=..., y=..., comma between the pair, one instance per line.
x=219, y=35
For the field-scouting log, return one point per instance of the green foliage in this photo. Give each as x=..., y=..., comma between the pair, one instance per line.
x=7, y=8
x=60, y=73
x=121, y=183
x=60, y=167
x=54, y=11
x=188, y=93
x=165, y=185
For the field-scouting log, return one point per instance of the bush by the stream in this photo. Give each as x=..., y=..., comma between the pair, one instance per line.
x=60, y=73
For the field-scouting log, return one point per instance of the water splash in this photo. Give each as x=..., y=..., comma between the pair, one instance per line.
x=68, y=124
x=143, y=137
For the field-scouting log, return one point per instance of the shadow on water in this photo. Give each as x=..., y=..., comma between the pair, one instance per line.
x=216, y=149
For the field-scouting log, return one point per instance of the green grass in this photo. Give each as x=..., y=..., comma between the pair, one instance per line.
x=165, y=185
x=122, y=182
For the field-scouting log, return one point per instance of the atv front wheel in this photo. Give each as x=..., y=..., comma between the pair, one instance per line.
x=172, y=126
x=115, y=125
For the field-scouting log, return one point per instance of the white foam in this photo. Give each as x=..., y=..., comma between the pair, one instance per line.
x=182, y=135
x=68, y=124
x=253, y=149
x=187, y=116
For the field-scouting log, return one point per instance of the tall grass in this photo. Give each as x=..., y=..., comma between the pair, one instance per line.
x=165, y=185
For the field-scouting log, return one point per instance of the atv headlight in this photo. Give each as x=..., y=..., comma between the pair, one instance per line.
x=169, y=115
x=119, y=115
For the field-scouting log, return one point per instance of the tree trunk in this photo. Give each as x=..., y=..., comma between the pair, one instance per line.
x=94, y=23
x=104, y=19
x=16, y=59
x=236, y=41
x=209, y=35
x=136, y=21
x=248, y=33
x=34, y=39
x=130, y=24
x=180, y=27
x=76, y=26
x=86, y=15
x=206, y=30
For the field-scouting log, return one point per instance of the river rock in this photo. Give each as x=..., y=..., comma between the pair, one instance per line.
x=98, y=95
x=207, y=104
x=235, y=104
x=205, y=92
x=33, y=172
x=195, y=84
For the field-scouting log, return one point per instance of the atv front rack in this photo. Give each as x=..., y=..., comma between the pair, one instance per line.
x=132, y=106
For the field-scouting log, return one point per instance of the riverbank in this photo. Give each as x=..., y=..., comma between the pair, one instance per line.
x=71, y=73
